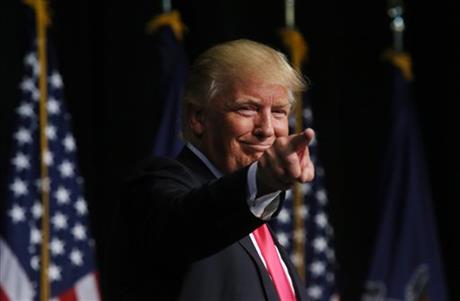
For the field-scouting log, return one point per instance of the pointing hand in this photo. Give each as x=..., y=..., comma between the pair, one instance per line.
x=286, y=162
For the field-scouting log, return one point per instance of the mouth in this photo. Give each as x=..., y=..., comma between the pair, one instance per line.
x=256, y=147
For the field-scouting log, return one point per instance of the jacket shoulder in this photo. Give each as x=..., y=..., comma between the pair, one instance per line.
x=162, y=169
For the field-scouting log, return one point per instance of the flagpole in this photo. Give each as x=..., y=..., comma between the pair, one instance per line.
x=43, y=85
x=297, y=46
x=42, y=21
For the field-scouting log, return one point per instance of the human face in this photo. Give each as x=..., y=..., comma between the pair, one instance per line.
x=242, y=123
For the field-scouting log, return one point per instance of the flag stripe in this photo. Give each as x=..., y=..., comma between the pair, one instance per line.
x=87, y=288
x=3, y=296
x=70, y=295
x=18, y=287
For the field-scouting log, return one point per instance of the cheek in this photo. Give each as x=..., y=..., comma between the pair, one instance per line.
x=281, y=127
x=226, y=132
x=238, y=127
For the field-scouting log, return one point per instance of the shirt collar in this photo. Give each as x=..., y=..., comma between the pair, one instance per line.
x=205, y=160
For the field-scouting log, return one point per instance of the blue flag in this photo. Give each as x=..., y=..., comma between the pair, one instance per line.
x=174, y=68
x=406, y=262
x=317, y=234
x=71, y=271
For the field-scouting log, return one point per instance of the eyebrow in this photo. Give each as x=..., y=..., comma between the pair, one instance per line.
x=257, y=101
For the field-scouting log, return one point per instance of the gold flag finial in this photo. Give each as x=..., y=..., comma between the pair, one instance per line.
x=171, y=19
x=402, y=61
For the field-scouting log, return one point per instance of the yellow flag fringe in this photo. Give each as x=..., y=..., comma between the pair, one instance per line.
x=172, y=19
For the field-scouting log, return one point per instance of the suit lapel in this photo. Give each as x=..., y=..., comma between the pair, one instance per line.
x=269, y=288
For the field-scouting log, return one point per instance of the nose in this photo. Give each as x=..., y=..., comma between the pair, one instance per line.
x=263, y=127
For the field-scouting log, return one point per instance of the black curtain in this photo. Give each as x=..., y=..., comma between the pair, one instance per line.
x=109, y=70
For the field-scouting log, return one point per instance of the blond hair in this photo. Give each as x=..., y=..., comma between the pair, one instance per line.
x=221, y=65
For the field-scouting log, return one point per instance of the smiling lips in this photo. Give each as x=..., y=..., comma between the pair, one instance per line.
x=258, y=147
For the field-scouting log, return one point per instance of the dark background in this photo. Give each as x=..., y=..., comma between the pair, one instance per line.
x=110, y=71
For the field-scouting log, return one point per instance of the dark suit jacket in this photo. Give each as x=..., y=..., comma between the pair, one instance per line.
x=187, y=236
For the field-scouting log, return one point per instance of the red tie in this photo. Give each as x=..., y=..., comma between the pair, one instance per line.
x=267, y=248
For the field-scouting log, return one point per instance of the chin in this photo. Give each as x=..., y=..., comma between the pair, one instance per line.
x=250, y=159
x=254, y=157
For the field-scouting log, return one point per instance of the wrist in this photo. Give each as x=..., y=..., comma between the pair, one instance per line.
x=266, y=181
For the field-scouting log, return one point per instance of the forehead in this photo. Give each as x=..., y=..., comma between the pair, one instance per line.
x=259, y=91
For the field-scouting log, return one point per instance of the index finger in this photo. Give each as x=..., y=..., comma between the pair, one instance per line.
x=300, y=141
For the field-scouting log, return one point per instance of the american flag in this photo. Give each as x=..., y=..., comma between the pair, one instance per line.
x=71, y=271
x=316, y=233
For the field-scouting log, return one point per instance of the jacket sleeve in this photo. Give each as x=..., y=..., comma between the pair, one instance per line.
x=168, y=209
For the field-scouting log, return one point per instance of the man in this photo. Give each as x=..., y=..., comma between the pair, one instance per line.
x=195, y=226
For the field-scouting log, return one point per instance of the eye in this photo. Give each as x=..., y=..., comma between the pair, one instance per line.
x=247, y=110
x=278, y=114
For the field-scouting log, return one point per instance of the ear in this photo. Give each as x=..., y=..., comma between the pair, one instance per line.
x=196, y=120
